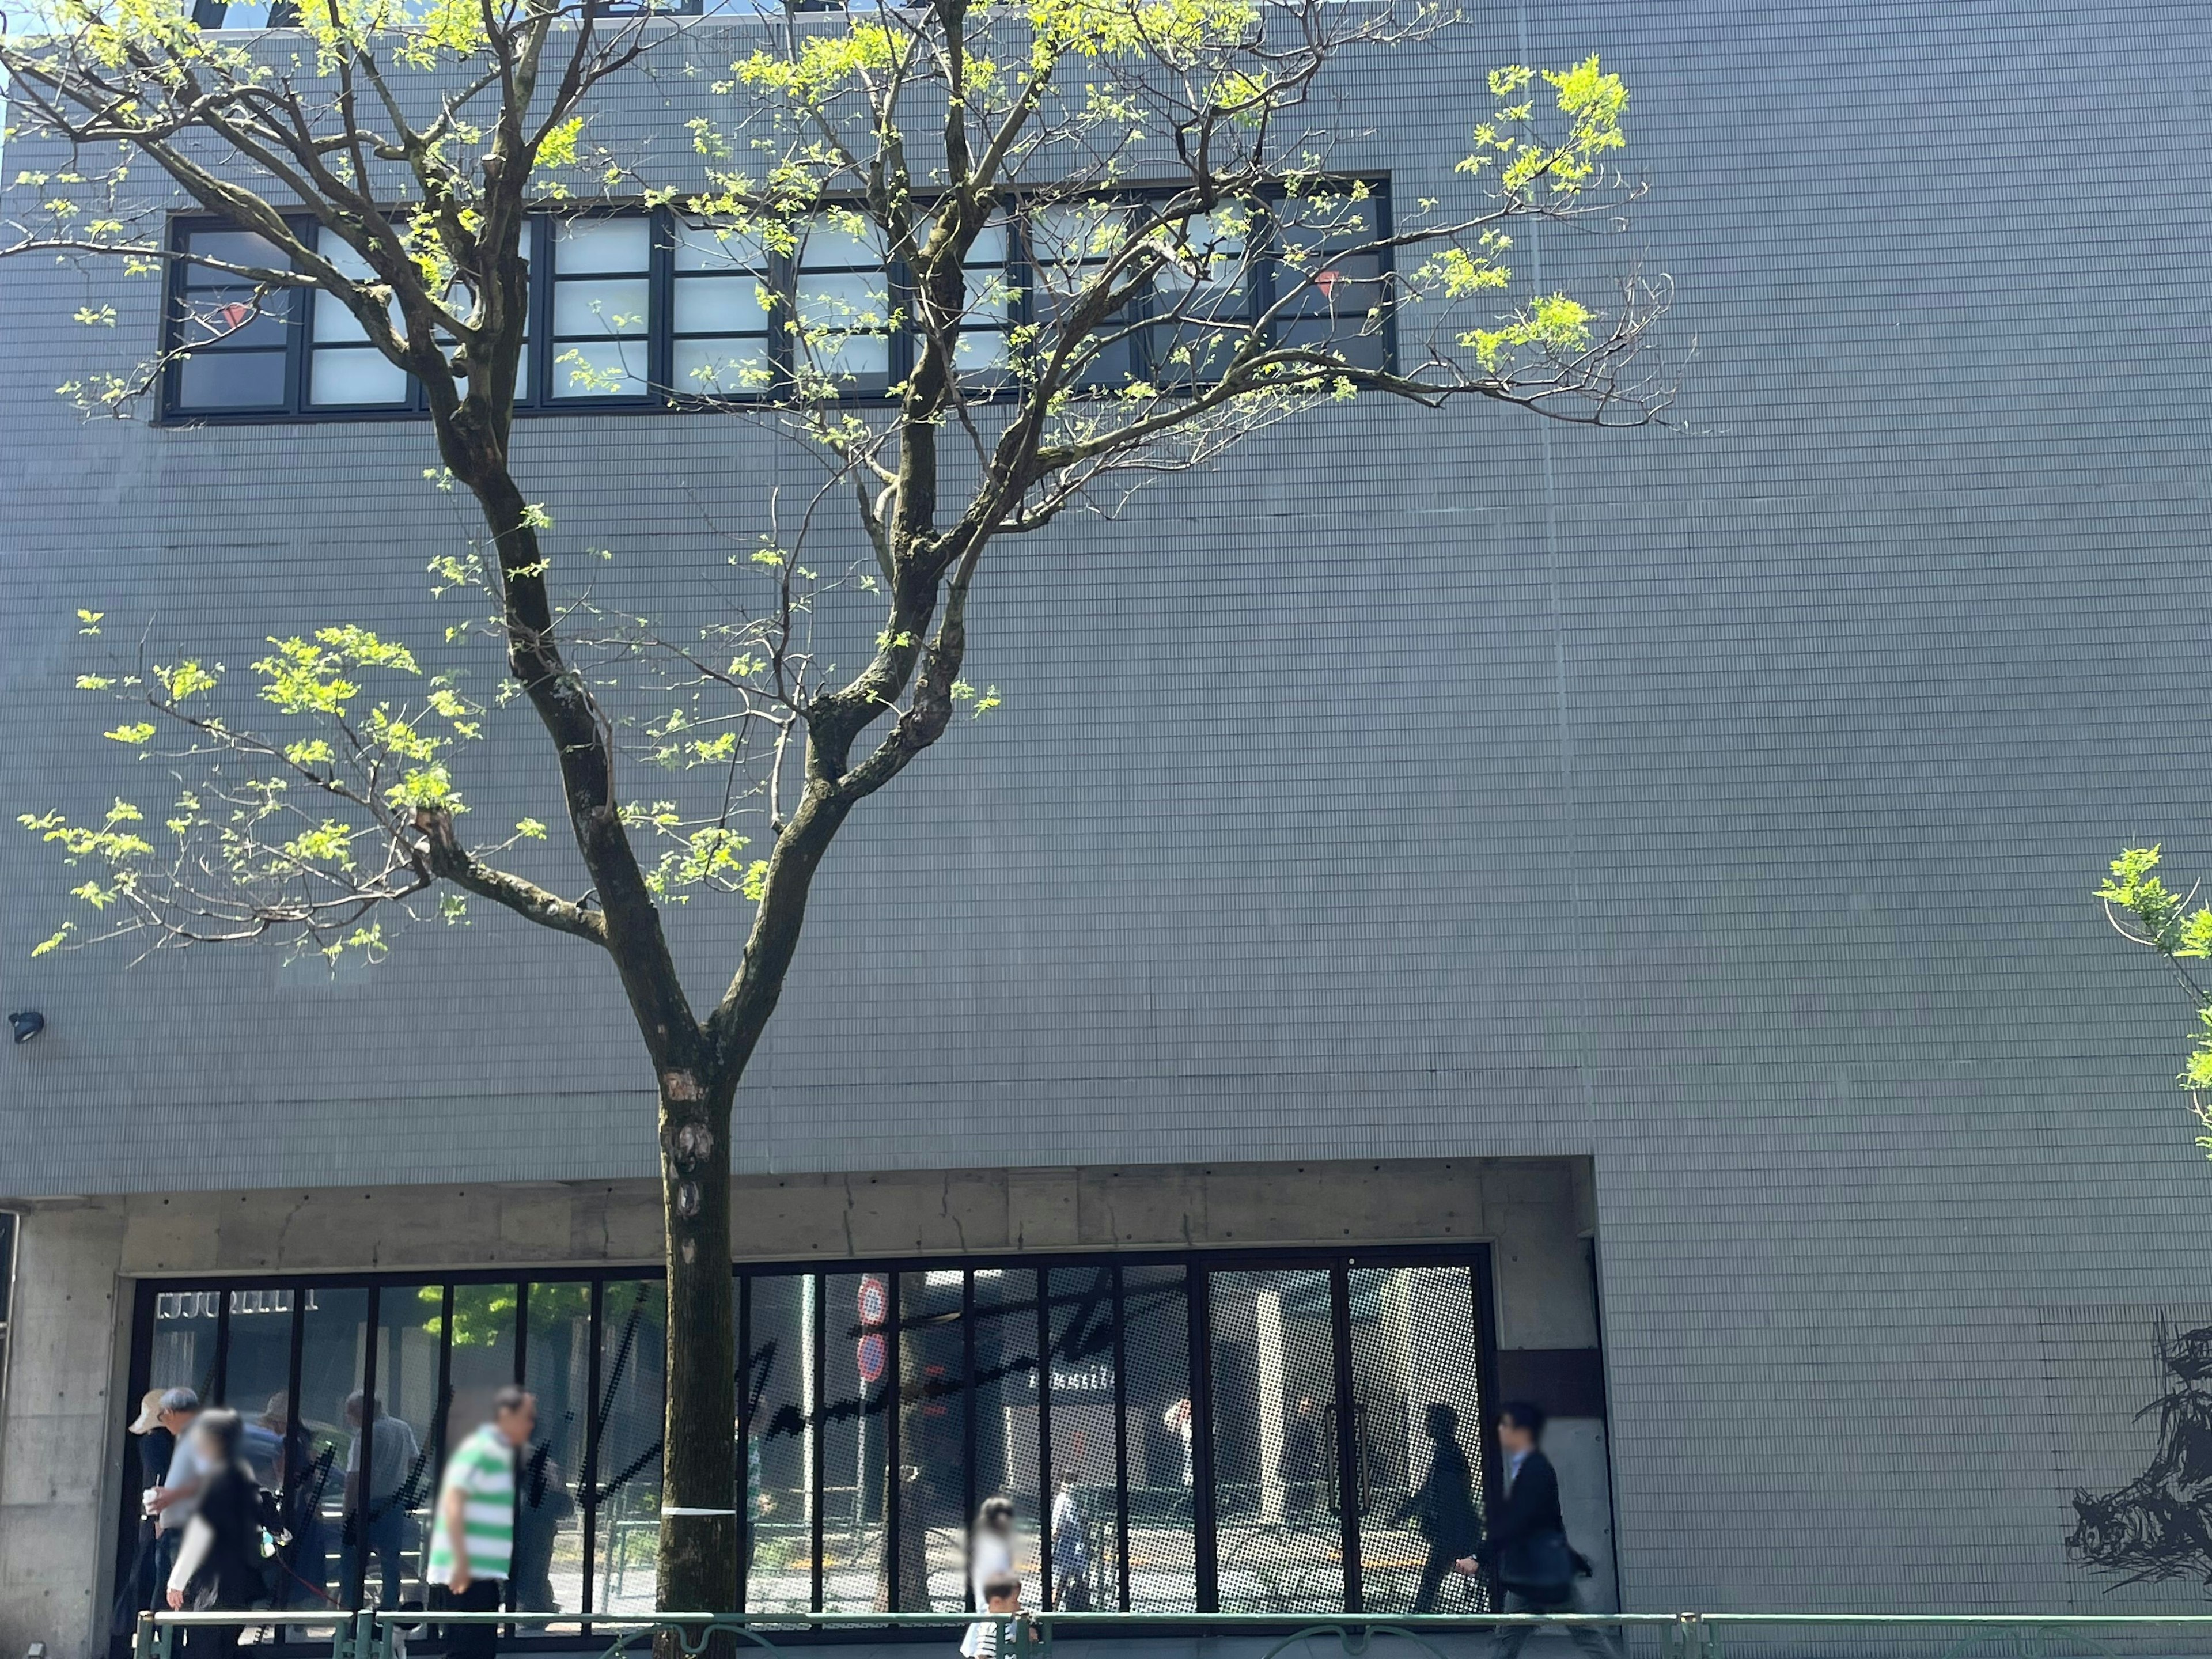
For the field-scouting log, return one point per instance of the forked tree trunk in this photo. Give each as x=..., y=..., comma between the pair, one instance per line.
x=698, y=1552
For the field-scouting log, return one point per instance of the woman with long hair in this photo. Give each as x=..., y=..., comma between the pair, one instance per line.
x=219, y=1564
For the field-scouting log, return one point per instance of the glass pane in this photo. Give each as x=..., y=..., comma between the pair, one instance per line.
x=548, y=1529
x=1064, y=238
x=1208, y=279
x=183, y=1341
x=703, y=247
x=1416, y=1435
x=1007, y=1460
x=721, y=367
x=616, y=305
x=633, y=1351
x=257, y=1371
x=1156, y=1349
x=362, y=375
x=391, y=1448
x=600, y=244
x=1085, y=1542
x=721, y=305
x=236, y=247
x=611, y=368
x=1279, y=1543
x=855, y=1372
x=978, y=351
x=235, y=319
x=231, y=379
x=779, y=1449
x=932, y=1443
x=829, y=244
x=854, y=301
x=335, y=325
x=333, y=1353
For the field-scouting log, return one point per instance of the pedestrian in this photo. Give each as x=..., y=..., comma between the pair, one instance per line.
x=1527, y=1550
x=991, y=1551
x=1071, y=1548
x=544, y=1504
x=156, y=1446
x=219, y=1561
x=1442, y=1509
x=378, y=1519
x=1002, y=1599
x=172, y=1499
x=472, y=1540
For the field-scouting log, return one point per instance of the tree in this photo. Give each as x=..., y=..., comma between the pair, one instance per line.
x=2144, y=911
x=388, y=156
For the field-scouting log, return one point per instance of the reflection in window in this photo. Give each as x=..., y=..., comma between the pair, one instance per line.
x=719, y=313
x=843, y=306
x=1418, y=1444
x=234, y=336
x=328, y=1530
x=1329, y=294
x=1204, y=296
x=778, y=1407
x=549, y=1535
x=602, y=284
x=1143, y=1475
x=1280, y=1540
x=1162, y=1564
x=633, y=1353
x=344, y=368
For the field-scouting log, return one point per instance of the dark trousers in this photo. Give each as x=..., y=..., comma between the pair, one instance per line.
x=382, y=1537
x=209, y=1641
x=1511, y=1638
x=483, y=1595
x=1433, y=1571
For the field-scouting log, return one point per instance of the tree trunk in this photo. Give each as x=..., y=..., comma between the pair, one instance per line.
x=698, y=1552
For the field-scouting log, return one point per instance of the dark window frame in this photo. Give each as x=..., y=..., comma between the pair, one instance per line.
x=535, y=399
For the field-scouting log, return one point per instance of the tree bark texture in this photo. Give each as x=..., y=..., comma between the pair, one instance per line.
x=698, y=1552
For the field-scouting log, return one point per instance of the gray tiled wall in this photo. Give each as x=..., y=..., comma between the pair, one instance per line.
x=1723, y=801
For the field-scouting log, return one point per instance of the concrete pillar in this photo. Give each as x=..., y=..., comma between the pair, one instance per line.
x=54, y=1436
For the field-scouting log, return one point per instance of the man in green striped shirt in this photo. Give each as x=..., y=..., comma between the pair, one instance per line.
x=472, y=1541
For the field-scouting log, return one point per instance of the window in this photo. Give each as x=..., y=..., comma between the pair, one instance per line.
x=720, y=285
x=843, y=306
x=602, y=306
x=344, y=368
x=1178, y=1431
x=235, y=340
x=654, y=310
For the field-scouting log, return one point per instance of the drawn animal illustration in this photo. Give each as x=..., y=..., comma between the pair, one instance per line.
x=2159, y=1526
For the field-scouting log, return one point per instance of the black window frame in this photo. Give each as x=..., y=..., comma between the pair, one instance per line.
x=534, y=393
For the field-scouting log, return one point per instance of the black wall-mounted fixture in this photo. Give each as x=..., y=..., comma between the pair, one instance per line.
x=26, y=1024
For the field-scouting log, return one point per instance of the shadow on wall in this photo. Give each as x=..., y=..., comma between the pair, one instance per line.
x=2159, y=1526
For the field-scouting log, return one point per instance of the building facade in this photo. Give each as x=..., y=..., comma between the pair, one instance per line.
x=1453, y=910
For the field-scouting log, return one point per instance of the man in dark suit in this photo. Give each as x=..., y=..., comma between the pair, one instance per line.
x=1527, y=1551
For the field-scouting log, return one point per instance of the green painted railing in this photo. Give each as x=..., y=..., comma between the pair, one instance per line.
x=377, y=1635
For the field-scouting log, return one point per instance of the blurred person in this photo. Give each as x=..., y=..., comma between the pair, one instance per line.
x=472, y=1539
x=1527, y=1551
x=1002, y=1595
x=991, y=1551
x=1442, y=1510
x=173, y=1498
x=220, y=1558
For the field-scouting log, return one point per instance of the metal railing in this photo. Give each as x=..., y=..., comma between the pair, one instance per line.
x=374, y=1634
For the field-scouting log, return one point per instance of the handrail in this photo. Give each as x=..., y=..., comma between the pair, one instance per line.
x=377, y=1634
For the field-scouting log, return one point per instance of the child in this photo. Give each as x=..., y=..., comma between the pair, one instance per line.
x=1002, y=1596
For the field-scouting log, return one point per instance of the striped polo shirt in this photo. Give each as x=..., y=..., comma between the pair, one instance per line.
x=482, y=1470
